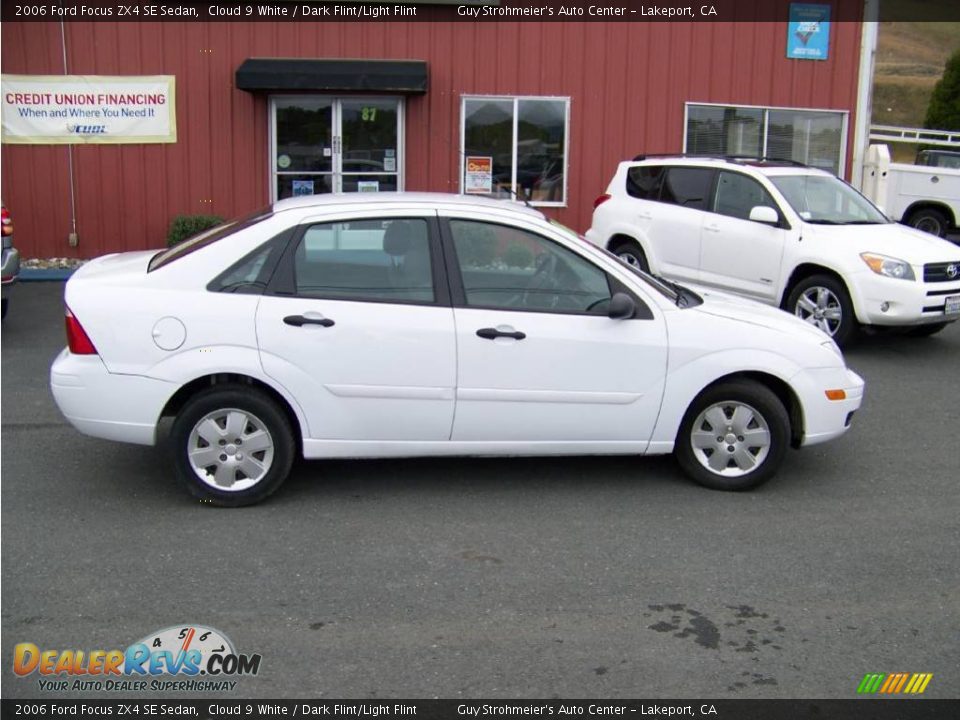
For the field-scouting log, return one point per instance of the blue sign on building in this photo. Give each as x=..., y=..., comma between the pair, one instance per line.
x=808, y=32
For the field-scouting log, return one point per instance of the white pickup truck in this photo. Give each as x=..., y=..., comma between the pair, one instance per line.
x=926, y=195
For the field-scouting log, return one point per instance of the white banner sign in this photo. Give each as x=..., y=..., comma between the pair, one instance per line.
x=81, y=109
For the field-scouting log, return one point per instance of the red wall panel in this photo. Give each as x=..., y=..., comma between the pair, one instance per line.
x=628, y=83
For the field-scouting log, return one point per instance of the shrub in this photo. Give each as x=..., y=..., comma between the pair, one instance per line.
x=184, y=227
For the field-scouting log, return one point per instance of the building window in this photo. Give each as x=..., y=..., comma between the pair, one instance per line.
x=813, y=137
x=515, y=146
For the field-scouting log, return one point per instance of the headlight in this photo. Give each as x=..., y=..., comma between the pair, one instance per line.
x=891, y=267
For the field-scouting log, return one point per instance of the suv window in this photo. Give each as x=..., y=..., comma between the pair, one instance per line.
x=737, y=195
x=688, y=187
x=510, y=269
x=373, y=260
x=644, y=181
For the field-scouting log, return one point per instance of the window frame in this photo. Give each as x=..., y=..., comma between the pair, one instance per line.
x=844, y=124
x=458, y=292
x=284, y=280
x=515, y=99
x=782, y=221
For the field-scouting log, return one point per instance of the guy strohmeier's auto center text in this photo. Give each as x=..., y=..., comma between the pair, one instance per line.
x=322, y=11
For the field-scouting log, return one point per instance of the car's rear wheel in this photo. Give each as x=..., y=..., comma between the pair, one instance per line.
x=734, y=436
x=929, y=220
x=632, y=254
x=824, y=302
x=926, y=330
x=232, y=445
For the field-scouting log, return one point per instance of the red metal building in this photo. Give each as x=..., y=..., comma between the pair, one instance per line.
x=555, y=105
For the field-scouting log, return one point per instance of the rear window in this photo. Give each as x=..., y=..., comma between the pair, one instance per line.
x=644, y=181
x=206, y=238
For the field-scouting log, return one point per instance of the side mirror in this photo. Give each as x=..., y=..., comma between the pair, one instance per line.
x=764, y=214
x=622, y=307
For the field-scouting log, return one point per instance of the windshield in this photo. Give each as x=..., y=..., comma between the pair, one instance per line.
x=661, y=287
x=206, y=238
x=826, y=200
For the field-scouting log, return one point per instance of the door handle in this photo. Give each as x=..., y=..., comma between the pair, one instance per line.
x=493, y=334
x=300, y=321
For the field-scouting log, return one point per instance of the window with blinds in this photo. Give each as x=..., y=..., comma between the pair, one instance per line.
x=812, y=137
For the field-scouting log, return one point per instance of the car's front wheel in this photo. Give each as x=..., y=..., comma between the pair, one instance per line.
x=232, y=445
x=823, y=301
x=734, y=436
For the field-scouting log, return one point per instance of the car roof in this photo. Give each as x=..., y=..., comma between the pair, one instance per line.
x=400, y=199
x=765, y=166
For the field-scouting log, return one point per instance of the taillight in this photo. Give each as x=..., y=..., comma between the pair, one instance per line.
x=77, y=339
x=600, y=200
x=7, y=221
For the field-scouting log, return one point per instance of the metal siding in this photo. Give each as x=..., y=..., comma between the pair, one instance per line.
x=628, y=83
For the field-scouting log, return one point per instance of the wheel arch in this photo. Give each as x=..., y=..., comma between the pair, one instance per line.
x=930, y=205
x=204, y=382
x=809, y=269
x=621, y=236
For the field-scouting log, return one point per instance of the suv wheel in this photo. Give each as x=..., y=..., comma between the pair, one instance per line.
x=232, y=445
x=823, y=301
x=929, y=220
x=734, y=436
x=632, y=255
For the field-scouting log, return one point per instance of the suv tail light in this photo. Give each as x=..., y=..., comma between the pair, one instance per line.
x=77, y=339
x=7, y=222
x=600, y=200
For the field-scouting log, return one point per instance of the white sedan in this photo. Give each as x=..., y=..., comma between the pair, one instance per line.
x=397, y=325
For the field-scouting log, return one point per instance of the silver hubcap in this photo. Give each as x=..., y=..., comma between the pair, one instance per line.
x=730, y=439
x=230, y=449
x=820, y=307
x=630, y=259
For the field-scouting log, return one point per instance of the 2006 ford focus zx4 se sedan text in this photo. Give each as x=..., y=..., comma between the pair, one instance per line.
x=412, y=324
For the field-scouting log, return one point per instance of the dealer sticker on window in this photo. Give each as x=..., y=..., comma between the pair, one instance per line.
x=952, y=305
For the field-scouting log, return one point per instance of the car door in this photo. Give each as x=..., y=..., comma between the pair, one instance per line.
x=676, y=224
x=736, y=253
x=538, y=359
x=357, y=326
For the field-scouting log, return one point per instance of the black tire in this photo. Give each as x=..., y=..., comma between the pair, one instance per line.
x=922, y=331
x=632, y=254
x=767, y=410
x=929, y=220
x=258, y=408
x=847, y=328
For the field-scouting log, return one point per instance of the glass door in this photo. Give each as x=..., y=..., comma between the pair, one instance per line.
x=323, y=145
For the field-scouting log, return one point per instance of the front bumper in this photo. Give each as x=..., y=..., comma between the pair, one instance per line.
x=907, y=302
x=97, y=402
x=825, y=419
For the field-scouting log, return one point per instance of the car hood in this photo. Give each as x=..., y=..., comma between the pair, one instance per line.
x=893, y=239
x=731, y=307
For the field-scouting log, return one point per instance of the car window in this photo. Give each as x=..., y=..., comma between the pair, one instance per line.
x=737, y=195
x=644, y=181
x=378, y=260
x=511, y=269
x=252, y=273
x=687, y=186
x=826, y=200
x=202, y=240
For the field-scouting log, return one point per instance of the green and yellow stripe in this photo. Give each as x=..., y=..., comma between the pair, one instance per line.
x=894, y=683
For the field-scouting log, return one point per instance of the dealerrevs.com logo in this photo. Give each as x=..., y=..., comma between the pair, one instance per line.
x=177, y=658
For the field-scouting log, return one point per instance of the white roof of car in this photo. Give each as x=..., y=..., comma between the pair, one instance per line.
x=769, y=168
x=395, y=199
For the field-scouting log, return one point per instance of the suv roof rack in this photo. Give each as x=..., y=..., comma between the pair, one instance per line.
x=729, y=158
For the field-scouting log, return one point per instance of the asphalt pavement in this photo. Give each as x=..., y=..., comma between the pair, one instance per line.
x=502, y=578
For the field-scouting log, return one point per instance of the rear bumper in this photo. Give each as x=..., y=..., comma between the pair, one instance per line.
x=96, y=402
x=826, y=419
x=9, y=266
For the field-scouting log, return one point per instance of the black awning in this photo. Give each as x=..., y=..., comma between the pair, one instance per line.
x=397, y=76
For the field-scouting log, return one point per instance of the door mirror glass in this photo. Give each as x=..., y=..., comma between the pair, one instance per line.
x=622, y=307
x=765, y=215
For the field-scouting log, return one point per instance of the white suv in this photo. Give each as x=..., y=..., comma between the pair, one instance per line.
x=781, y=233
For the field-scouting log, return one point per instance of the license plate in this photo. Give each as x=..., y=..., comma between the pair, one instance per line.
x=952, y=305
